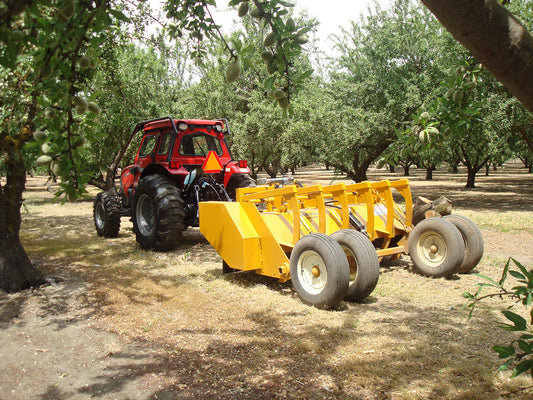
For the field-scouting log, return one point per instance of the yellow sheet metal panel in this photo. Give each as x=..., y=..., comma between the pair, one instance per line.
x=274, y=261
x=227, y=227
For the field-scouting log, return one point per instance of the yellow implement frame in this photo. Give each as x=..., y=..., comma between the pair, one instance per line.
x=260, y=229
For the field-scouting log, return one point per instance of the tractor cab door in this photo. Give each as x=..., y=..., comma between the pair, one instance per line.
x=146, y=153
x=145, y=156
x=161, y=156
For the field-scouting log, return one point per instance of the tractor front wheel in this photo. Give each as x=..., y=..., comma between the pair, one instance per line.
x=158, y=214
x=106, y=213
x=319, y=270
x=473, y=241
x=436, y=248
x=363, y=261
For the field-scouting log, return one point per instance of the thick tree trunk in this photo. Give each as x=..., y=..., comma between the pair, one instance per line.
x=429, y=173
x=495, y=37
x=425, y=208
x=471, y=178
x=16, y=269
x=406, y=168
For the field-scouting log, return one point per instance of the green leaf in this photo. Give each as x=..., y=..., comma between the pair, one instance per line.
x=504, y=351
x=305, y=75
x=269, y=82
x=522, y=367
x=486, y=278
x=519, y=322
x=504, y=272
x=525, y=346
x=119, y=15
x=517, y=275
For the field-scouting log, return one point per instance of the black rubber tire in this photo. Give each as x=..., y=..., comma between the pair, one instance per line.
x=106, y=214
x=448, y=252
x=473, y=240
x=238, y=181
x=319, y=251
x=363, y=261
x=157, y=214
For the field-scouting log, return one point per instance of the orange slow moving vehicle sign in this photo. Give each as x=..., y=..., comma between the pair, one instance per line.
x=212, y=163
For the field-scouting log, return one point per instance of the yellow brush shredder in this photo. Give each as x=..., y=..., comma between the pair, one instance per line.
x=328, y=240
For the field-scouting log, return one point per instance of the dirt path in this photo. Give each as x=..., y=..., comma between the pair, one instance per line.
x=117, y=322
x=49, y=349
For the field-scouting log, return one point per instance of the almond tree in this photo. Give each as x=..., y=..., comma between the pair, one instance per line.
x=46, y=50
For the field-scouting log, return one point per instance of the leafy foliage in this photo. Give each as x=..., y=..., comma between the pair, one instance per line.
x=518, y=354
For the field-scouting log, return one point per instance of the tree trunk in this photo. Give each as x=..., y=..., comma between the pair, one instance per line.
x=487, y=169
x=425, y=208
x=16, y=270
x=391, y=168
x=359, y=175
x=494, y=37
x=429, y=173
x=471, y=178
x=406, y=169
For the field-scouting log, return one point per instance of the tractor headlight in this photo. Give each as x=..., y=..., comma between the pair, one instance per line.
x=218, y=128
x=182, y=126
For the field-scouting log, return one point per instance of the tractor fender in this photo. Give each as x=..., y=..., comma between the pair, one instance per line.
x=232, y=168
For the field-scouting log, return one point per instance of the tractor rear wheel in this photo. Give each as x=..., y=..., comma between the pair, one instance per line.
x=238, y=181
x=473, y=241
x=436, y=247
x=319, y=270
x=106, y=214
x=363, y=261
x=157, y=214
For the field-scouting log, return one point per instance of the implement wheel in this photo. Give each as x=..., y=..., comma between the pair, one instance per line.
x=157, y=214
x=319, y=270
x=436, y=248
x=106, y=213
x=363, y=262
x=473, y=241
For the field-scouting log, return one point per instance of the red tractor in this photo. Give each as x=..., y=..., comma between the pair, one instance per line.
x=179, y=163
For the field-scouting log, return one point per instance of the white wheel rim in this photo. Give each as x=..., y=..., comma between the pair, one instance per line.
x=145, y=215
x=432, y=249
x=312, y=272
x=100, y=216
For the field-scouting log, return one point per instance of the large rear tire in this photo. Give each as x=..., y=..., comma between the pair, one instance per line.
x=436, y=248
x=363, y=262
x=158, y=214
x=238, y=181
x=106, y=214
x=473, y=241
x=319, y=270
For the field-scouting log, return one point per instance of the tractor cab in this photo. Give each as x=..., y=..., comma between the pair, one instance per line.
x=182, y=149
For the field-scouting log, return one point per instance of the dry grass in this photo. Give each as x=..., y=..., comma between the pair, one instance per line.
x=245, y=336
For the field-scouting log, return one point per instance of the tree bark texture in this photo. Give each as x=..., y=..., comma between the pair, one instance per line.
x=425, y=208
x=16, y=269
x=495, y=38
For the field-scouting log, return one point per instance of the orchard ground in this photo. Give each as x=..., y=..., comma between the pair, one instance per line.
x=118, y=322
